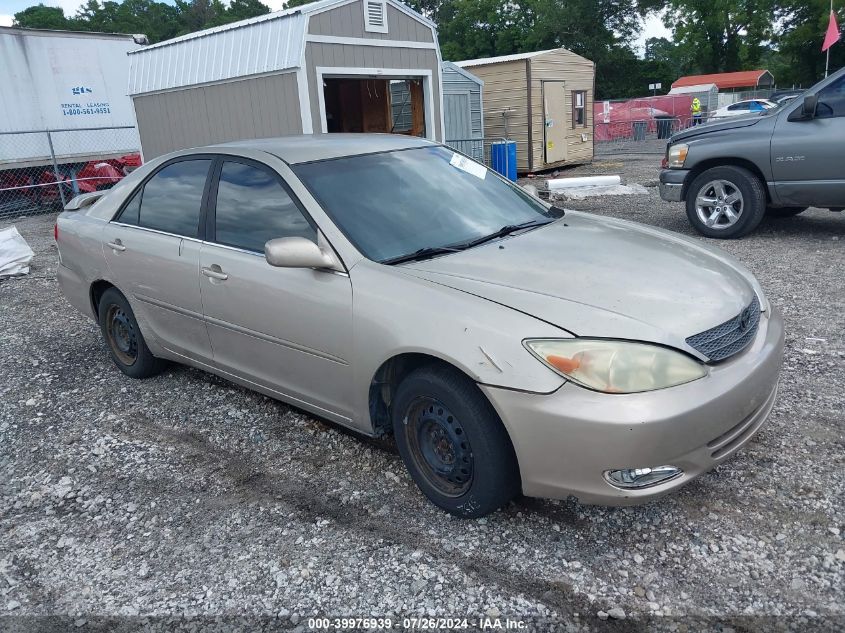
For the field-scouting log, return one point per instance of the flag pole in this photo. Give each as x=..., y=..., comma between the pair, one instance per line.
x=827, y=60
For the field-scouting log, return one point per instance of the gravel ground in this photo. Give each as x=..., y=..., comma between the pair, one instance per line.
x=185, y=502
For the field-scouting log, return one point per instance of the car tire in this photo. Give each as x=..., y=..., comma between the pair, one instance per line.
x=784, y=212
x=123, y=337
x=726, y=202
x=453, y=443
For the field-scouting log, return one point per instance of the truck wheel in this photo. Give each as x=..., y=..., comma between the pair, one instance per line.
x=726, y=202
x=453, y=442
x=783, y=212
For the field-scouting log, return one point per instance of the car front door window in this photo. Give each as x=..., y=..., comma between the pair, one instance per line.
x=253, y=207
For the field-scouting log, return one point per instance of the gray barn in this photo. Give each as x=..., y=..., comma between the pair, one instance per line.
x=463, y=110
x=329, y=66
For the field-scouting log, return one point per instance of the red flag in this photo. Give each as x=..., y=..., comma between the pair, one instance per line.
x=832, y=35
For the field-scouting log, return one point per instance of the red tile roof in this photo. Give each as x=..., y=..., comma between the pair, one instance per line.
x=741, y=79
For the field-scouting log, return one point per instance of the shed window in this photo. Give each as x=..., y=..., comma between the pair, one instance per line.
x=579, y=108
x=375, y=16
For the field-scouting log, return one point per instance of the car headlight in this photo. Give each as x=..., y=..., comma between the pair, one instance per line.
x=678, y=154
x=616, y=366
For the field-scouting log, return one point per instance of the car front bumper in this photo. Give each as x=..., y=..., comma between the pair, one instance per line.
x=566, y=440
x=672, y=184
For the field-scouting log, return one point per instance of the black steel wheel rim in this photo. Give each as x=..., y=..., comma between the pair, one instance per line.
x=121, y=334
x=439, y=446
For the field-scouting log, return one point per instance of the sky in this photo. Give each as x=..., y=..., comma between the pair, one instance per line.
x=653, y=26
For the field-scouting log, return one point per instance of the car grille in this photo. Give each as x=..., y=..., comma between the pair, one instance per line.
x=729, y=338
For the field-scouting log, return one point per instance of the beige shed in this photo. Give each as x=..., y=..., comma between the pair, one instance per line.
x=543, y=101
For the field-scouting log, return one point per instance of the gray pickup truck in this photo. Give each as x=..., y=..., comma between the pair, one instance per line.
x=732, y=173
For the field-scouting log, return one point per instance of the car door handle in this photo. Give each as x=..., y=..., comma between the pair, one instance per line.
x=117, y=245
x=215, y=273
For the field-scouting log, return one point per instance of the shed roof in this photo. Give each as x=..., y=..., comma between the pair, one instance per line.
x=501, y=58
x=463, y=73
x=694, y=88
x=741, y=79
x=267, y=43
x=484, y=61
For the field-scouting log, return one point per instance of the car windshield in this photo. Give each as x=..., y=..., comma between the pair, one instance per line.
x=421, y=201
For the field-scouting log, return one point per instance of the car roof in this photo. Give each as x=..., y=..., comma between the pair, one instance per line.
x=307, y=148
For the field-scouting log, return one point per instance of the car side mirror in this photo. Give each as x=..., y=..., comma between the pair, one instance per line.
x=808, y=108
x=299, y=252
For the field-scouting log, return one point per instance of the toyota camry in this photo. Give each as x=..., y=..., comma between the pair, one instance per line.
x=394, y=286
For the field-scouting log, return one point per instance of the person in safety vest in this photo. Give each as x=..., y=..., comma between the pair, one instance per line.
x=696, y=111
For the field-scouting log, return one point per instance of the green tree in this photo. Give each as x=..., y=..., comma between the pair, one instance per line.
x=42, y=17
x=796, y=57
x=157, y=20
x=243, y=9
x=719, y=35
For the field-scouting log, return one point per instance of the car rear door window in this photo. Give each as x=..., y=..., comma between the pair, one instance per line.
x=171, y=200
x=131, y=212
x=253, y=207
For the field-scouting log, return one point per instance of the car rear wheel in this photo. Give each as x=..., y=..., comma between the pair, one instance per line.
x=726, y=202
x=784, y=212
x=453, y=442
x=126, y=344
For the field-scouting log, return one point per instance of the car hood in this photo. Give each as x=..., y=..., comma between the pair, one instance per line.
x=720, y=125
x=602, y=277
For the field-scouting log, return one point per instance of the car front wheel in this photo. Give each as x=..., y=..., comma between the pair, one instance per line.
x=453, y=442
x=726, y=202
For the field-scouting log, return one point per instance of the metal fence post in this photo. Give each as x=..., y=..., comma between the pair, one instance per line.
x=56, y=169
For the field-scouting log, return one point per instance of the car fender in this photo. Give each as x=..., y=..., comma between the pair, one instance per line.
x=396, y=313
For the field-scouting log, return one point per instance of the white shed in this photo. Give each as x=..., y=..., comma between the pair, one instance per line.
x=708, y=94
x=323, y=67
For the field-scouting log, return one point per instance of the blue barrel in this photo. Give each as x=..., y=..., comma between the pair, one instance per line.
x=503, y=158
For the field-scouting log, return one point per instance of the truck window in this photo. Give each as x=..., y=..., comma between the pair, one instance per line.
x=831, y=100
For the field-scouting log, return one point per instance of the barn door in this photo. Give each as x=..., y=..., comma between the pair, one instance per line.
x=456, y=116
x=556, y=120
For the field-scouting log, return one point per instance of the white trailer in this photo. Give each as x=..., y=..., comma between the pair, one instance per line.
x=70, y=83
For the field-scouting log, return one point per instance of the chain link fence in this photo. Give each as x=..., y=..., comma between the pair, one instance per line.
x=42, y=170
x=479, y=149
x=640, y=136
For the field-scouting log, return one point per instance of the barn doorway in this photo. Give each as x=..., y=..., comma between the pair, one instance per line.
x=375, y=105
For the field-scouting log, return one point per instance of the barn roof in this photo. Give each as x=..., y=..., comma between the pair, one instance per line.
x=267, y=43
x=740, y=79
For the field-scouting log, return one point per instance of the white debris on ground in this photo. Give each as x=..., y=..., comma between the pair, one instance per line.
x=580, y=193
x=15, y=253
